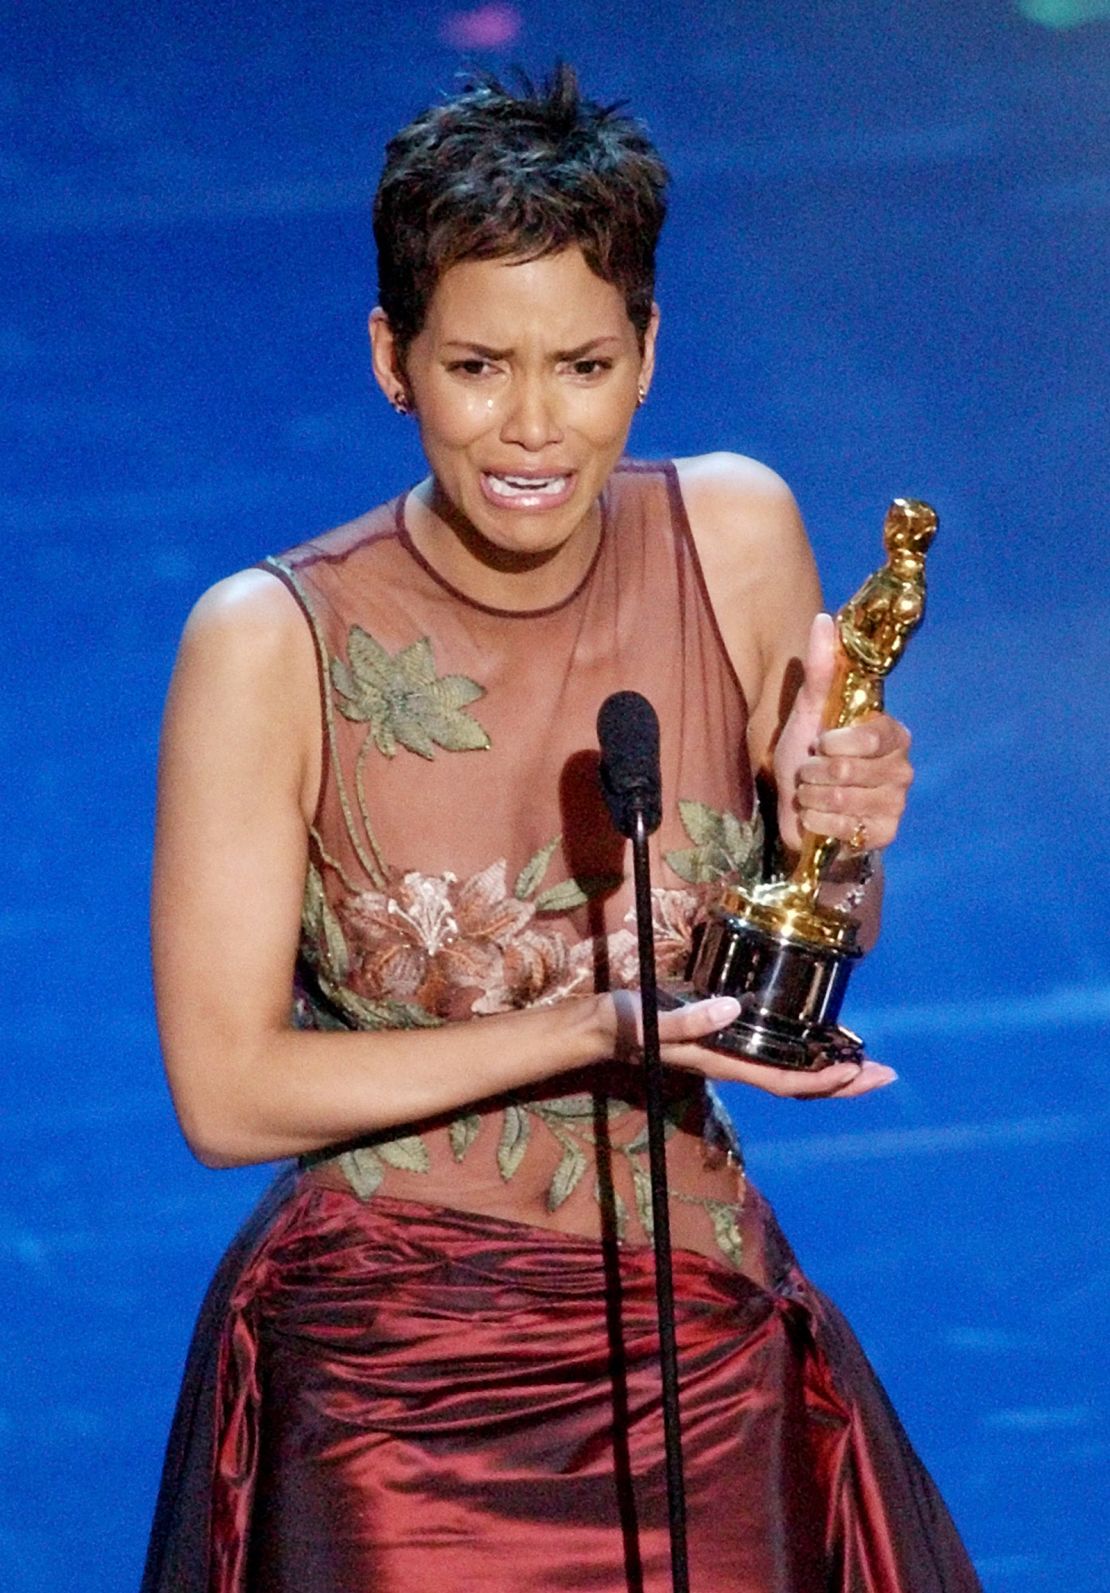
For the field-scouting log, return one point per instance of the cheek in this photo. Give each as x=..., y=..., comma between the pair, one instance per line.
x=451, y=421
x=607, y=427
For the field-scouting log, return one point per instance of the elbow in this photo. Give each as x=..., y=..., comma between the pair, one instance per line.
x=213, y=1139
x=214, y=1154
x=211, y=1120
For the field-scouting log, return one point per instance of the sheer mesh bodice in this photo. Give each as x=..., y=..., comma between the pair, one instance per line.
x=462, y=862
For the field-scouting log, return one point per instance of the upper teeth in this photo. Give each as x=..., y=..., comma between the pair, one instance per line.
x=510, y=484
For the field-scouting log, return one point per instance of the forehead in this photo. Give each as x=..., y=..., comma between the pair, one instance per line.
x=497, y=302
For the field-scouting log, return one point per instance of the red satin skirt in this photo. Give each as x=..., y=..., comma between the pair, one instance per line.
x=392, y=1397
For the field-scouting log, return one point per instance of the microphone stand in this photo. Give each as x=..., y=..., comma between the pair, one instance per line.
x=660, y=1210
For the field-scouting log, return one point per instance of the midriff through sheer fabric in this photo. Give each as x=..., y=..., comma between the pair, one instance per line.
x=575, y=1163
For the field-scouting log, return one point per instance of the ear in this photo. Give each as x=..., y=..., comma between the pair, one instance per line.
x=647, y=362
x=385, y=357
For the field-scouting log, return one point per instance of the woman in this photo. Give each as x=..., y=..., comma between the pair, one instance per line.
x=434, y=1345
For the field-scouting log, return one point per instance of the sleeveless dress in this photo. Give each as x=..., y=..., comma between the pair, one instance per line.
x=431, y=1357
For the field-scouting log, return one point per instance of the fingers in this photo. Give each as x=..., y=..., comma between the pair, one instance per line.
x=876, y=737
x=820, y=664
x=869, y=1076
x=682, y=1027
x=842, y=1081
x=699, y=1019
x=863, y=816
x=859, y=774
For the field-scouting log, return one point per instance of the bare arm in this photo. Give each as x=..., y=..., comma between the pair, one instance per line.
x=763, y=583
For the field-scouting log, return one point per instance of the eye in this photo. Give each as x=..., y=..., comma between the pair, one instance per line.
x=591, y=367
x=471, y=367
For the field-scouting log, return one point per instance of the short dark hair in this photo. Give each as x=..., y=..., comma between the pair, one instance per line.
x=492, y=174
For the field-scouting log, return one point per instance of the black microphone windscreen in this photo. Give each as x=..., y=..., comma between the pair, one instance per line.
x=628, y=734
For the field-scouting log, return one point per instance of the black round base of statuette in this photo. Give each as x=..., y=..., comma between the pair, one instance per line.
x=789, y=992
x=762, y=1037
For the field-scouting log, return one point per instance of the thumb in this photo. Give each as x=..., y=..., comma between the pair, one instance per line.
x=820, y=664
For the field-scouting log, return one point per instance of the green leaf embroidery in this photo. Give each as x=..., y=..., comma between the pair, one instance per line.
x=723, y=845
x=675, y=1111
x=736, y=838
x=574, y=893
x=639, y=1145
x=462, y=1133
x=691, y=866
x=701, y=823
x=363, y=1170
x=322, y=926
x=613, y=1202
x=641, y=1188
x=725, y=1229
x=408, y=1154
x=516, y=1130
x=403, y=700
x=567, y=1175
x=385, y=1014
x=566, y=1106
x=534, y=870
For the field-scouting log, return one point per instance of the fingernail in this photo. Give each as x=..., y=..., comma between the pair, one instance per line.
x=724, y=1009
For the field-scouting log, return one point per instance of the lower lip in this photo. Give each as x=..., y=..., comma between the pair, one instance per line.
x=528, y=502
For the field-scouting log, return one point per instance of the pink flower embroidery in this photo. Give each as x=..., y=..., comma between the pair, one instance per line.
x=673, y=917
x=455, y=947
x=458, y=948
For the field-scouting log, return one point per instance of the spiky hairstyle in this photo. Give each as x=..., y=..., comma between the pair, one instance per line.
x=492, y=174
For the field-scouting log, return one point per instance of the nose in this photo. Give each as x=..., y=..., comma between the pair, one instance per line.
x=532, y=418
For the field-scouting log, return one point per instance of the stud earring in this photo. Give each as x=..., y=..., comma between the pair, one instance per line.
x=641, y=394
x=400, y=402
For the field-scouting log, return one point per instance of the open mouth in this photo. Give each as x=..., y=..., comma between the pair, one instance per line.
x=529, y=494
x=508, y=488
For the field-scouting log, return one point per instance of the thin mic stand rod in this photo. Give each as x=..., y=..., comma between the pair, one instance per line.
x=660, y=1210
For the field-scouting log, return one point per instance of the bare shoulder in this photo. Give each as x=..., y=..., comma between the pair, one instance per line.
x=246, y=683
x=252, y=609
x=738, y=506
x=726, y=475
x=250, y=625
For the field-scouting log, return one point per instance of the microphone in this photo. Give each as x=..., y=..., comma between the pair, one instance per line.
x=628, y=735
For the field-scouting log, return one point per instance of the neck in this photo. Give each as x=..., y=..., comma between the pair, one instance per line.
x=486, y=573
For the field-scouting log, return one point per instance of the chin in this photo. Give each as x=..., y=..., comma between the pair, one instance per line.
x=528, y=532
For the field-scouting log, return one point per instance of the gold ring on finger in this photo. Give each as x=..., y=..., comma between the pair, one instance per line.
x=858, y=838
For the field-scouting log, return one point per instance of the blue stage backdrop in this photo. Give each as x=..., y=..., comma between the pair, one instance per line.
x=885, y=273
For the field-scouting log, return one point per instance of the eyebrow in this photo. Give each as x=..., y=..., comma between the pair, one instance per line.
x=488, y=353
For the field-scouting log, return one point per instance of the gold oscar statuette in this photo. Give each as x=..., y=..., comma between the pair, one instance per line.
x=782, y=952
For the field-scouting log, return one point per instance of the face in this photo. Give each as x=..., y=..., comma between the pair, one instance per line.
x=524, y=380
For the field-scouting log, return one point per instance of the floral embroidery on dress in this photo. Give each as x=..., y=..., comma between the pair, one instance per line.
x=450, y=948
x=571, y=1121
x=724, y=846
x=459, y=947
x=403, y=699
x=406, y=949
x=428, y=949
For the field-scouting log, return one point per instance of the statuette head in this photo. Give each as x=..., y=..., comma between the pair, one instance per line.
x=909, y=527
